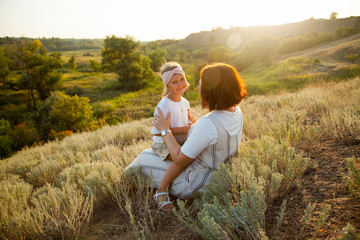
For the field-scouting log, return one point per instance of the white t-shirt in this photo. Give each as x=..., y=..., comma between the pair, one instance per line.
x=179, y=114
x=204, y=133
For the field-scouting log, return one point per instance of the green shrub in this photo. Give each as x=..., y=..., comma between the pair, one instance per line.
x=95, y=179
x=342, y=124
x=293, y=133
x=15, y=114
x=5, y=146
x=342, y=32
x=5, y=127
x=61, y=112
x=349, y=233
x=352, y=57
x=103, y=109
x=95, y=66
x=228, y=209
x=133, y=195
x=353, y=178
x=24, y=135
x=74, y=90
x=17, y=219
x=71, y=113
x=46, y=171
x=272, y=161
x=233, y=205
x=64, y=210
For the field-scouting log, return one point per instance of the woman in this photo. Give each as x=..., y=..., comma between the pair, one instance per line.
x=214, y=138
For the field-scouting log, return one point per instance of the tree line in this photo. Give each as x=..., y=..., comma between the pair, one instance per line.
x=58, y=44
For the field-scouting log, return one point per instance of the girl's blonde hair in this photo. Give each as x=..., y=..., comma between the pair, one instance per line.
x=168, y=66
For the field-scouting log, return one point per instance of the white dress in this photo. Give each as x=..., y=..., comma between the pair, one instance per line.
x=212, y=139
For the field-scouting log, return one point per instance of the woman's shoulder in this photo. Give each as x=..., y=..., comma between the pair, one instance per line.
x=205, y=122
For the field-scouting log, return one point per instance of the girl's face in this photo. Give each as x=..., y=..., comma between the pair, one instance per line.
x=177, y=84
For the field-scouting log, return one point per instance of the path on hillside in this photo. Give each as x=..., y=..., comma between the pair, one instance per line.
x=322, y=184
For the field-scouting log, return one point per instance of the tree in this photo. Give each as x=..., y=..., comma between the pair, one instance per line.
x=180, y=55
x=220, y=54
x=95, y=66
x=39, y=69
x=71, y=63
x=156, y=55
x=123, y=56
x=333, y=15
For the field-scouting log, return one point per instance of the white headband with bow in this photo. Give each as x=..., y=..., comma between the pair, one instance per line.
x=166, y=76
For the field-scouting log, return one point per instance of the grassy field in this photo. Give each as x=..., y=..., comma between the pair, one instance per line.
x=82, y=57
x=75, y=188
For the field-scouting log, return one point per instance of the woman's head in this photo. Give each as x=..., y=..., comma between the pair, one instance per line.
x=221, y=87
x=173, y=77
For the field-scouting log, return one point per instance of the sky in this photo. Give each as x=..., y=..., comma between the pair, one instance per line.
x=148, y=20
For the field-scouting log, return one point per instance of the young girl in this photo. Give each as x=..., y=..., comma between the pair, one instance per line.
x=172, y=102
x=181, y=120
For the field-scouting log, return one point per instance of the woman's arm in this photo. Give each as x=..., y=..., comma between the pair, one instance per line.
x=173, y=146
x=191, y=117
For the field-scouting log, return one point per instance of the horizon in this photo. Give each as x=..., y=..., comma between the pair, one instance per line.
x=80, y=38
x=151, y=21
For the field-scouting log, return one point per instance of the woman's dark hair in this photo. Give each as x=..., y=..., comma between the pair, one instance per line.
x=221, y=87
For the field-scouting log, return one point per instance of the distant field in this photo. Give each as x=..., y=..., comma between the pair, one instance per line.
x=82, y=57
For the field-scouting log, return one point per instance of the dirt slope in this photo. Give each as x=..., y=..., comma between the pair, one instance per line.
x=322, y=184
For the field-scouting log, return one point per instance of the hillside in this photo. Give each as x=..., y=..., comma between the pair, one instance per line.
x=75, y=188
x=334, y=51
x=221, y=36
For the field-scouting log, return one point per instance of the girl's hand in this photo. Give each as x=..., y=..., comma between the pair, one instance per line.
x=160, y=122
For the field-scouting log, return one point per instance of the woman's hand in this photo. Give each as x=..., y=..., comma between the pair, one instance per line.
x=160, y=122
x=191, y=117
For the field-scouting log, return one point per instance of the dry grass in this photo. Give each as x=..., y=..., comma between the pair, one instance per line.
x=50, y=191
x=332, y=109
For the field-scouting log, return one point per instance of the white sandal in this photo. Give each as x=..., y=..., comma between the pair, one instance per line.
x=163, y=204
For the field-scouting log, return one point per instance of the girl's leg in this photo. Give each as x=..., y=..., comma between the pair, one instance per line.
x=171, y=174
